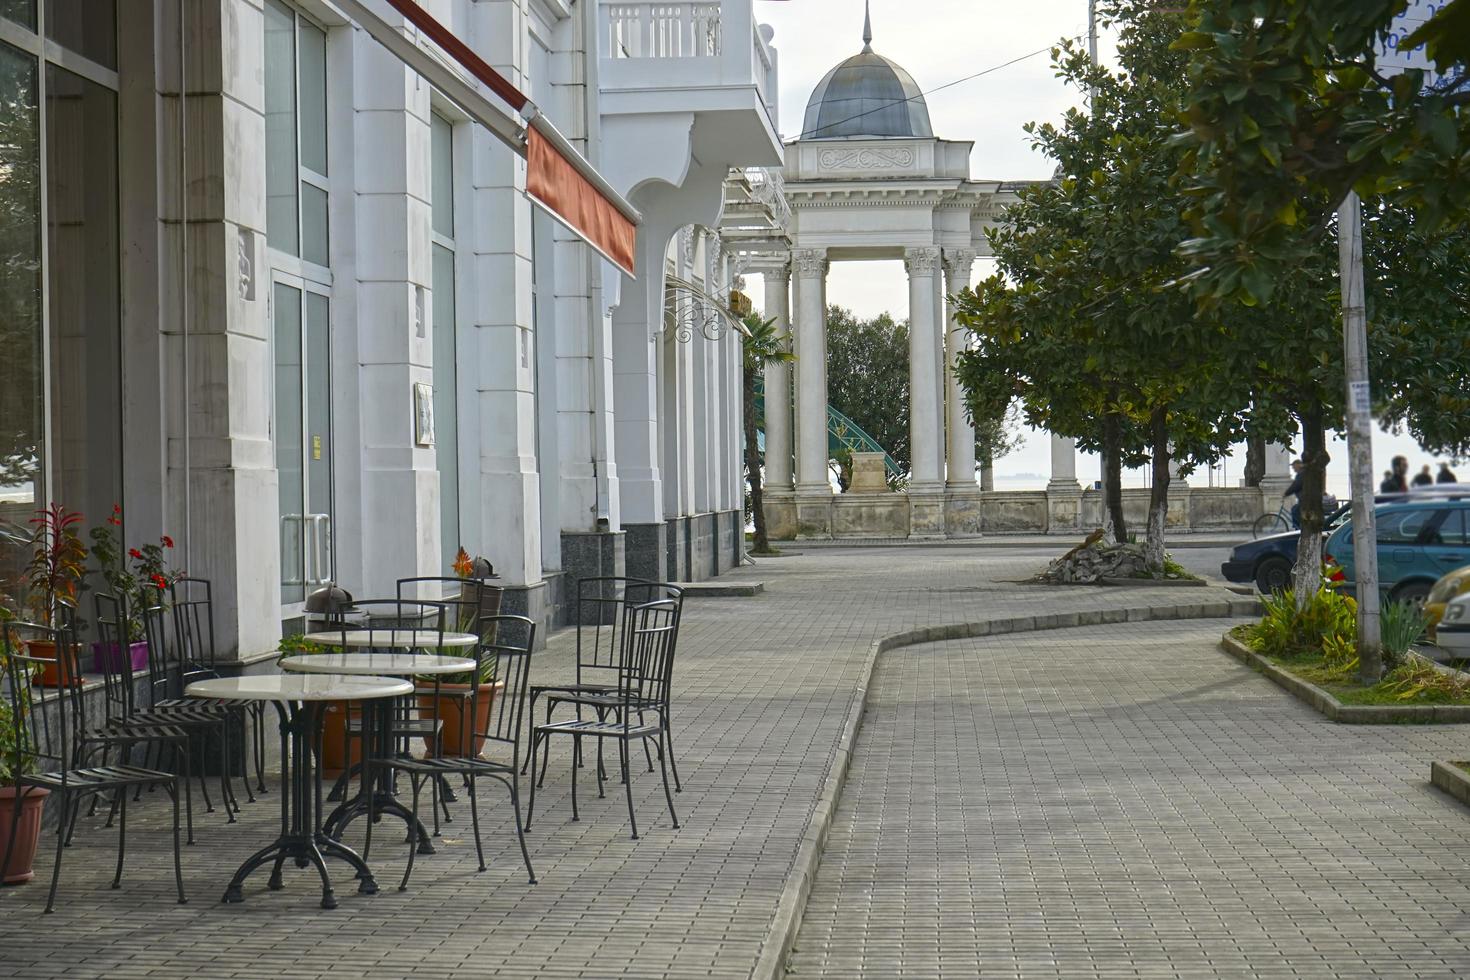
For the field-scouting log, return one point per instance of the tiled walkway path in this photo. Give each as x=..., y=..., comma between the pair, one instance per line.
x=1126, y=801
x=764, y=686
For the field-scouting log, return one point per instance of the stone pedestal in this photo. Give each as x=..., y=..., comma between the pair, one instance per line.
x=963, y=513
x=926, y=515
x=813, y=516
x=780, y=510
x=868, y=474
x=1064, y=507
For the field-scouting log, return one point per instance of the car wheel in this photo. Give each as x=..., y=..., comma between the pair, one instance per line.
x=1273, y=575
x=1414, y=593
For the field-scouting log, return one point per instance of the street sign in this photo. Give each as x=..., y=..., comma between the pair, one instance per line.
x=1393, y=59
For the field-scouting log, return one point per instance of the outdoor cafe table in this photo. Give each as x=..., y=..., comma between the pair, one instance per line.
x=380, y=722
x=299, y=699
x=388, y=638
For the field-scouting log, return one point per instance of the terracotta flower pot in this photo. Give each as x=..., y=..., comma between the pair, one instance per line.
x=453, y=702
x=107, y=656
x=50, y=675
x=27, y=838
x=338, y=751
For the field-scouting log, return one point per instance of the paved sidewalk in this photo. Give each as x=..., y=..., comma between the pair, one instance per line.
x=1127, y=801
x=764, y=685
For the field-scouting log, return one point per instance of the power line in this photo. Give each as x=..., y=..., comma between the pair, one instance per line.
x=808, y=134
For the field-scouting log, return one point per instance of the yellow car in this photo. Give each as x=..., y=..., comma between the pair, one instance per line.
x=1454, y=584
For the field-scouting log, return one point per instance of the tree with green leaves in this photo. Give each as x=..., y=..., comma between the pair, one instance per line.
x=1080, y=323
x=1288, y=110
x=868, y=377
x=760, y=344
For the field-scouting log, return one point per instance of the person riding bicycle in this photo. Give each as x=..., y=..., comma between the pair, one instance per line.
x=1295, y=490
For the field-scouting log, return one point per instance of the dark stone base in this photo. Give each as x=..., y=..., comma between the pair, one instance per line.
x=589, y=554
x=645, y=550
x=543, y=602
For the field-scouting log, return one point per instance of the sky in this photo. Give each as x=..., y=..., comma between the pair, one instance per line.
x=938, y=42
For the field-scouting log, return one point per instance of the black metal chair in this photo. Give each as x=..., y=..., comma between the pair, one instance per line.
x=466, y=601
x=505, y=656
x=192, y=602
x=45, y=737
x=602, y=652
x=645, y=672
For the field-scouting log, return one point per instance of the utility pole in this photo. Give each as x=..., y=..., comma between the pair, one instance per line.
x=1360, y=436
x=1092, y=30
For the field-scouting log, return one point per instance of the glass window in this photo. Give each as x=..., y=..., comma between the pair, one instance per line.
x=1403, y=527
x=313, y=47
x=289, y=427
x=82, y=279
x=22, y=424
x=21, y=11
x=1453, y=531
x=88, y=27
x=314, y=224
x=281, y=175
x=442, y=154
x=446, y=416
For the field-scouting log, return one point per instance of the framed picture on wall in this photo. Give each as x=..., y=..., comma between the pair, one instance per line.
x=423, y=414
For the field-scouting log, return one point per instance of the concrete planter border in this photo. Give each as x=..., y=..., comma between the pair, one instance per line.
x=1450, y=778
x=776, y=946
x=1347, y=714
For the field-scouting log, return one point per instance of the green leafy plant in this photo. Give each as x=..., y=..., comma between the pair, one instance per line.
x=113, y=567
x=1403, y=625
x=17, y=757
x=56, y=571
x=1323, y=627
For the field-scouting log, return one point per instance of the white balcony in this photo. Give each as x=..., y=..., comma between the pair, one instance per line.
x=706, y=58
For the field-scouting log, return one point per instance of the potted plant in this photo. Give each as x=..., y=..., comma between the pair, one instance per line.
x=53, y=577
x=452, y=695
x=16, y=759
x=112, y=566
x=338, y=751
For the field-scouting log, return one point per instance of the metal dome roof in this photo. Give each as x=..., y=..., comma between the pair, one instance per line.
x=867, y=96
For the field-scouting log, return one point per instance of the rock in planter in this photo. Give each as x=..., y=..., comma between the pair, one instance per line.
x=1094, y=561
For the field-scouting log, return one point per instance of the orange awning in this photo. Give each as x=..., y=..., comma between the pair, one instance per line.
x=558, y=177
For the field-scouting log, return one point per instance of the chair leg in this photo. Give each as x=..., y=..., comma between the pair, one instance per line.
x=627, y=784
x=668, y=740
x=56, y=869
x=531, y=761
x=178, y=857
x=412, y=849
x=122, y=839
x=226, y=784
x=515, y=805
x=664, y=770
x=181, y=748
x=576, y=747
x=475, y=820
x=530, y=713
x=246, y=733
x=259, y=711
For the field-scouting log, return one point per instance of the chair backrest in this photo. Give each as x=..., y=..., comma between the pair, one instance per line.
x=42, y=726
x=650, y=633
x=165, y=671
x=388, y=620
x=193, y=612
x=115, y=660
x=602, y=610
x=467, y=601
x=502, y=696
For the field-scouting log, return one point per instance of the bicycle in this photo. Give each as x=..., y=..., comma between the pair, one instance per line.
x=1277, y=523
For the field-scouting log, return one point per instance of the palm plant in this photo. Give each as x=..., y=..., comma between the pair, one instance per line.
x=760, y=344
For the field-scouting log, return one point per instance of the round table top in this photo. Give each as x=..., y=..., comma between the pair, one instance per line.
x=396, y=638
x=387, y=664
x=299, y=687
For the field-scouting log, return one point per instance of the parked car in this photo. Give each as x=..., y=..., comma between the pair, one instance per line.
x=1268, y=561
x=1453, y=634
x=1451, y=586
x=1420, y=538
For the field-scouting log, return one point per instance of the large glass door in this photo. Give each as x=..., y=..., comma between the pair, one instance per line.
x=301, y=328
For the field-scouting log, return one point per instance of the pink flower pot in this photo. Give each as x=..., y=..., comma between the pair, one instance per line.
x=27, y=838
x=107, y=656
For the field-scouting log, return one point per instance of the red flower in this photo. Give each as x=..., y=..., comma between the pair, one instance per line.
x=160, y=581
x=135, y=554
x=168, y=542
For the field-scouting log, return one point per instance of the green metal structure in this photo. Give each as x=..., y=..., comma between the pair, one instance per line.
x=842, y=432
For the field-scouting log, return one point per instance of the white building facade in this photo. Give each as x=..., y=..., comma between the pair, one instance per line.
x=304, y=318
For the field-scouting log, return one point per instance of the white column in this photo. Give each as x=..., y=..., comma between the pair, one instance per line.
x=961, y=432
x=778, y=385
x=810, y=265
x=1278, y=468
x=1063, y=464
x=925, y=426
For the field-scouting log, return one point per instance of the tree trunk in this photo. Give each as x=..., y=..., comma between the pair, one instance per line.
x=1158, y=500
x=1307, y=575
x=1255, y=458
x=753, y=464
x=1115, y=525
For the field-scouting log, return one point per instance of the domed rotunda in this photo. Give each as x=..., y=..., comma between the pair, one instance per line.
x=867, y=97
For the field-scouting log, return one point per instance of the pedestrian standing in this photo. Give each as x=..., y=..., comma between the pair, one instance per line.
x=1424, y=478
x=1446, y=475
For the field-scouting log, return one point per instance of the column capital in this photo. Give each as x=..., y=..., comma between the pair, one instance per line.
x=921, y=261
x=780, y=273
x=809, y=263
x=958, y=262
